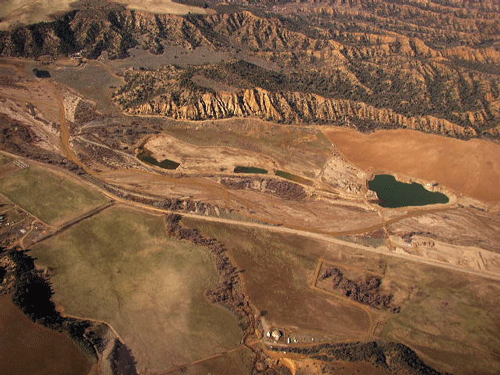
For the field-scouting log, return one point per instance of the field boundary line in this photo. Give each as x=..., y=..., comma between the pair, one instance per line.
x=75, y=221
x=179, y=368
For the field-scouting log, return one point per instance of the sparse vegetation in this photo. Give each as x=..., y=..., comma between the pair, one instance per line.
x=140, y=266
x=50, y=196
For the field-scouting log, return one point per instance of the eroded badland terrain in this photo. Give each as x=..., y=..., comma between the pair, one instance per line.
x=184, y=188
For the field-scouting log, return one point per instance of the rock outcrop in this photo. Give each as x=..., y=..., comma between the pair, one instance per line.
x=426, y=66
x=294, y=107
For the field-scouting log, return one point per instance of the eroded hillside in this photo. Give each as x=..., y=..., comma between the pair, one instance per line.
x=431, y=67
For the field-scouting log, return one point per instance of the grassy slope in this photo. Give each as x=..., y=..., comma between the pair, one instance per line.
x=49, y=196
x=450, y=316
x=120, y=267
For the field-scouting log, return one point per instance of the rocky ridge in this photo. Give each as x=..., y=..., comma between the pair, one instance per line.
x=431, y=67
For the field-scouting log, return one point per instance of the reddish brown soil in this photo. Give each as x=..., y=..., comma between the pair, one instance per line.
x=29, y=348
x=468, y=167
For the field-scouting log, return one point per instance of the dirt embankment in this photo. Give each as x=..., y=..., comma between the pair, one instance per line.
x=397, y=358
x=366, y=292
x=32, y=293
x=20, y=139
x=228, y=292
x=283, y=189
x=469, y=167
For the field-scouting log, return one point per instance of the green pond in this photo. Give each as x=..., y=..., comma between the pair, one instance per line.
x=392, y=193
x=241, y=169
x=145, y=156
x=293, y=177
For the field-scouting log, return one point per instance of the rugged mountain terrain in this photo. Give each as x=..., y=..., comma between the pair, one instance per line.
x=431, y=67
x=153, y=116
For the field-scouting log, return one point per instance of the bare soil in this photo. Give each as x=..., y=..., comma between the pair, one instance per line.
x=29, y=348
x=469, y=167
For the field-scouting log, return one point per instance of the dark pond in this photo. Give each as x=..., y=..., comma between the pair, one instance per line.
x=241, y=169
x=145, y=156
x=392, y=193
x=41, y=73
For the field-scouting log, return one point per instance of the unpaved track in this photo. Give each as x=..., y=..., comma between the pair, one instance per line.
x=179, y=368
x=330, y=237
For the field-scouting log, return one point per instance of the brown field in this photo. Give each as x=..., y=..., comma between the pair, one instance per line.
x=469, y=167
x=284, y=266
x=236, y=361
x=29, y=348
x=447, y=317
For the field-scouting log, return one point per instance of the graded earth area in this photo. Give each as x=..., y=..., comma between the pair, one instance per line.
x=296, y=269
x=469, y=167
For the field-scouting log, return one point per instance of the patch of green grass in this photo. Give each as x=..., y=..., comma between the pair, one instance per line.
x=49, y=196
x=145, y=156
x=120, y=267
x=293, y=177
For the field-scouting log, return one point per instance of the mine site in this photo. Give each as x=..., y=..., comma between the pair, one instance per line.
x=249, y=187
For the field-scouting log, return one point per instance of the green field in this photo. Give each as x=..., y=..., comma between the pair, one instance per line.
x=241, y=169
x=293, y=177
x=49, y=196
x=120, y=267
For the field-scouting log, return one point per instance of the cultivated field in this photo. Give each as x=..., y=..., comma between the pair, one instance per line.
x=51, y=196
x=469, y=167
x=120, y=267
x=26, y=346
x=439, y=308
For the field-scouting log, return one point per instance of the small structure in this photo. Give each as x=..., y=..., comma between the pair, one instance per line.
x=276, y=334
